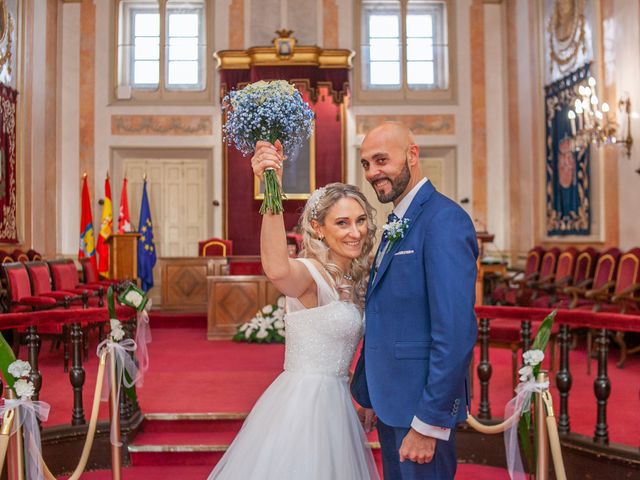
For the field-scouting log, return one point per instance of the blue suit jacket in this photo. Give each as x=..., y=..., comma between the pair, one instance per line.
x=420, y=322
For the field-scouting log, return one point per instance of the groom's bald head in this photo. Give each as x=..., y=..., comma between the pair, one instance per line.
x=390, y=159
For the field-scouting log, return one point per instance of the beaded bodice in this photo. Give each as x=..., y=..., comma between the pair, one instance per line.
x=322, y=339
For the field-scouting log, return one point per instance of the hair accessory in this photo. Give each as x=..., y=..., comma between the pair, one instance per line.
x=315, y=197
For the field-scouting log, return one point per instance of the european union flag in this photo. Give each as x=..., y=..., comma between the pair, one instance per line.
x=146, y=247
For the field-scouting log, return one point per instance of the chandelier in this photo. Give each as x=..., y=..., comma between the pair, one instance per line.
x=591, y=122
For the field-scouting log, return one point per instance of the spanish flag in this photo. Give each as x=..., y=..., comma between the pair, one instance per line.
x=106, y=229
x=87, y=241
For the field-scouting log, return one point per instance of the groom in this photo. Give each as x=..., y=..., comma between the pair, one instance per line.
x=420, y=322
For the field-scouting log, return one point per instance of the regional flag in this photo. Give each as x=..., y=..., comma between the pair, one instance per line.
x=106, y=229
x=124, y=221
x=146, y=247
x=87, y=242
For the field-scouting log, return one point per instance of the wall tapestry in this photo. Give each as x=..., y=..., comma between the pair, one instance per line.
x=568, y=180
x=8, y=214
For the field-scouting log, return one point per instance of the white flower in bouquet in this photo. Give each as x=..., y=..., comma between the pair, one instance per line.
x=526, y=373
x=134, y=298
x=24, y=389
x=243, y=327
x=117, y=333
x=248, y=332
x=19, y=369
x=533, y=357
x=267, y=309
x=278, y=324
x=281, y=302
x=281, y=333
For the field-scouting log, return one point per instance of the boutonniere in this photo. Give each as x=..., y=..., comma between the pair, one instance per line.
x=394, y=231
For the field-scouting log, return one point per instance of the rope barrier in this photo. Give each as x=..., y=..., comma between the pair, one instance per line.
x=552, y=431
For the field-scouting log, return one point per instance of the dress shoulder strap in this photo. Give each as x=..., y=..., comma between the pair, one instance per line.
x=326, y=291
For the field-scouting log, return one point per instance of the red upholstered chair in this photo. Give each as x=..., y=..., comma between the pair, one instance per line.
x=65, y=277
x=545, y=275
x=19, y=256
x=546, y=291
x=5, y=257
x=215, y=247
x=507, y=288
x=91, y=276
x=33, y=255
x=40, y=276
x=20, y=295
x=603, y=281
x=625, y=297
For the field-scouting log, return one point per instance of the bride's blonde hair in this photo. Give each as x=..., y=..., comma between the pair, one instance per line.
x=316, y=209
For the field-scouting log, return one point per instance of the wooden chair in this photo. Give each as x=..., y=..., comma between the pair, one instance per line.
x=19, y=256
x=33, y=255
x=40, y=277
x=215, y=247
x=507, y=287
x=545, y=293
x=625, y=297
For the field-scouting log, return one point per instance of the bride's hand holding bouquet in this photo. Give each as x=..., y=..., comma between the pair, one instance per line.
x=268, y=157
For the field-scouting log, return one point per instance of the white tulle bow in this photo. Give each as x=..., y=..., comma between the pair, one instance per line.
x=28, y=413
x=143, y=337
x=517, y=406
x=124, y=363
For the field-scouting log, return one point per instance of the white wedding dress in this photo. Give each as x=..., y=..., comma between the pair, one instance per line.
x=304, y=426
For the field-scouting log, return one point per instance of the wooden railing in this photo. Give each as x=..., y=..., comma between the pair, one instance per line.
x=583, y=453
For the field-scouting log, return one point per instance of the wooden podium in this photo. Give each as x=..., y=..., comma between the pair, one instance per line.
x=123, y=256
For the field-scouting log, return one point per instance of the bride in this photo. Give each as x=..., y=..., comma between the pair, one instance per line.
x=304, y=426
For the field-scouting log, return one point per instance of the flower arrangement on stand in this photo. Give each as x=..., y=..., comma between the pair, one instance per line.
x=267, y=326
x=267, y=111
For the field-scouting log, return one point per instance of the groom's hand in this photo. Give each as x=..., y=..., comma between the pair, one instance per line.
x=368, y=418
x=417, y=447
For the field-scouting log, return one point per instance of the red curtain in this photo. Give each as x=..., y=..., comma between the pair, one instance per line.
x=243, y=219
x=8, y=188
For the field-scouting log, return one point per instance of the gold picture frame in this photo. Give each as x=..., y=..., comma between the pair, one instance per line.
x=299, y=179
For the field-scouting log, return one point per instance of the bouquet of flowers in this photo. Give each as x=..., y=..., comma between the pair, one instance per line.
x=266, y=327
x=267, y=111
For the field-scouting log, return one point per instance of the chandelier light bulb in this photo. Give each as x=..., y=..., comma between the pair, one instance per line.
x=605, y=107
x=572, y=115
x=592, y=82
x=587, y=91
x=594, y=100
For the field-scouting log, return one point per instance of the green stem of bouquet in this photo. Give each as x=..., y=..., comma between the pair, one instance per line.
x=272, y=202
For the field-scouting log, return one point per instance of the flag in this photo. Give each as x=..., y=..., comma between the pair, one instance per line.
x=106, y=229
x=146, y=247
x=87, y=241
x=124, y=221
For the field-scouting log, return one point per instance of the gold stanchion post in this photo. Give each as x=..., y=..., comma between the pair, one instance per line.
x=542, y=439
x=15, y=464
x=116, y=455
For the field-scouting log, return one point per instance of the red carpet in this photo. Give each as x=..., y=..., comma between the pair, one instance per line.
x=189, y=374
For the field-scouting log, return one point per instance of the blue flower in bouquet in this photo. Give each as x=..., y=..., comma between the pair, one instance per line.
x=267, y=111
x=394, y=231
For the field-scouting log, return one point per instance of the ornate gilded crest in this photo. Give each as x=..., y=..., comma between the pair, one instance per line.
x=6, y=37
x=566, y=33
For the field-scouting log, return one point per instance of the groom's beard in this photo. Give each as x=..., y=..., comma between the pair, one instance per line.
x=398, y=185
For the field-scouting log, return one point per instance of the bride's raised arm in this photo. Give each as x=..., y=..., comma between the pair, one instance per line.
x=290, y=277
